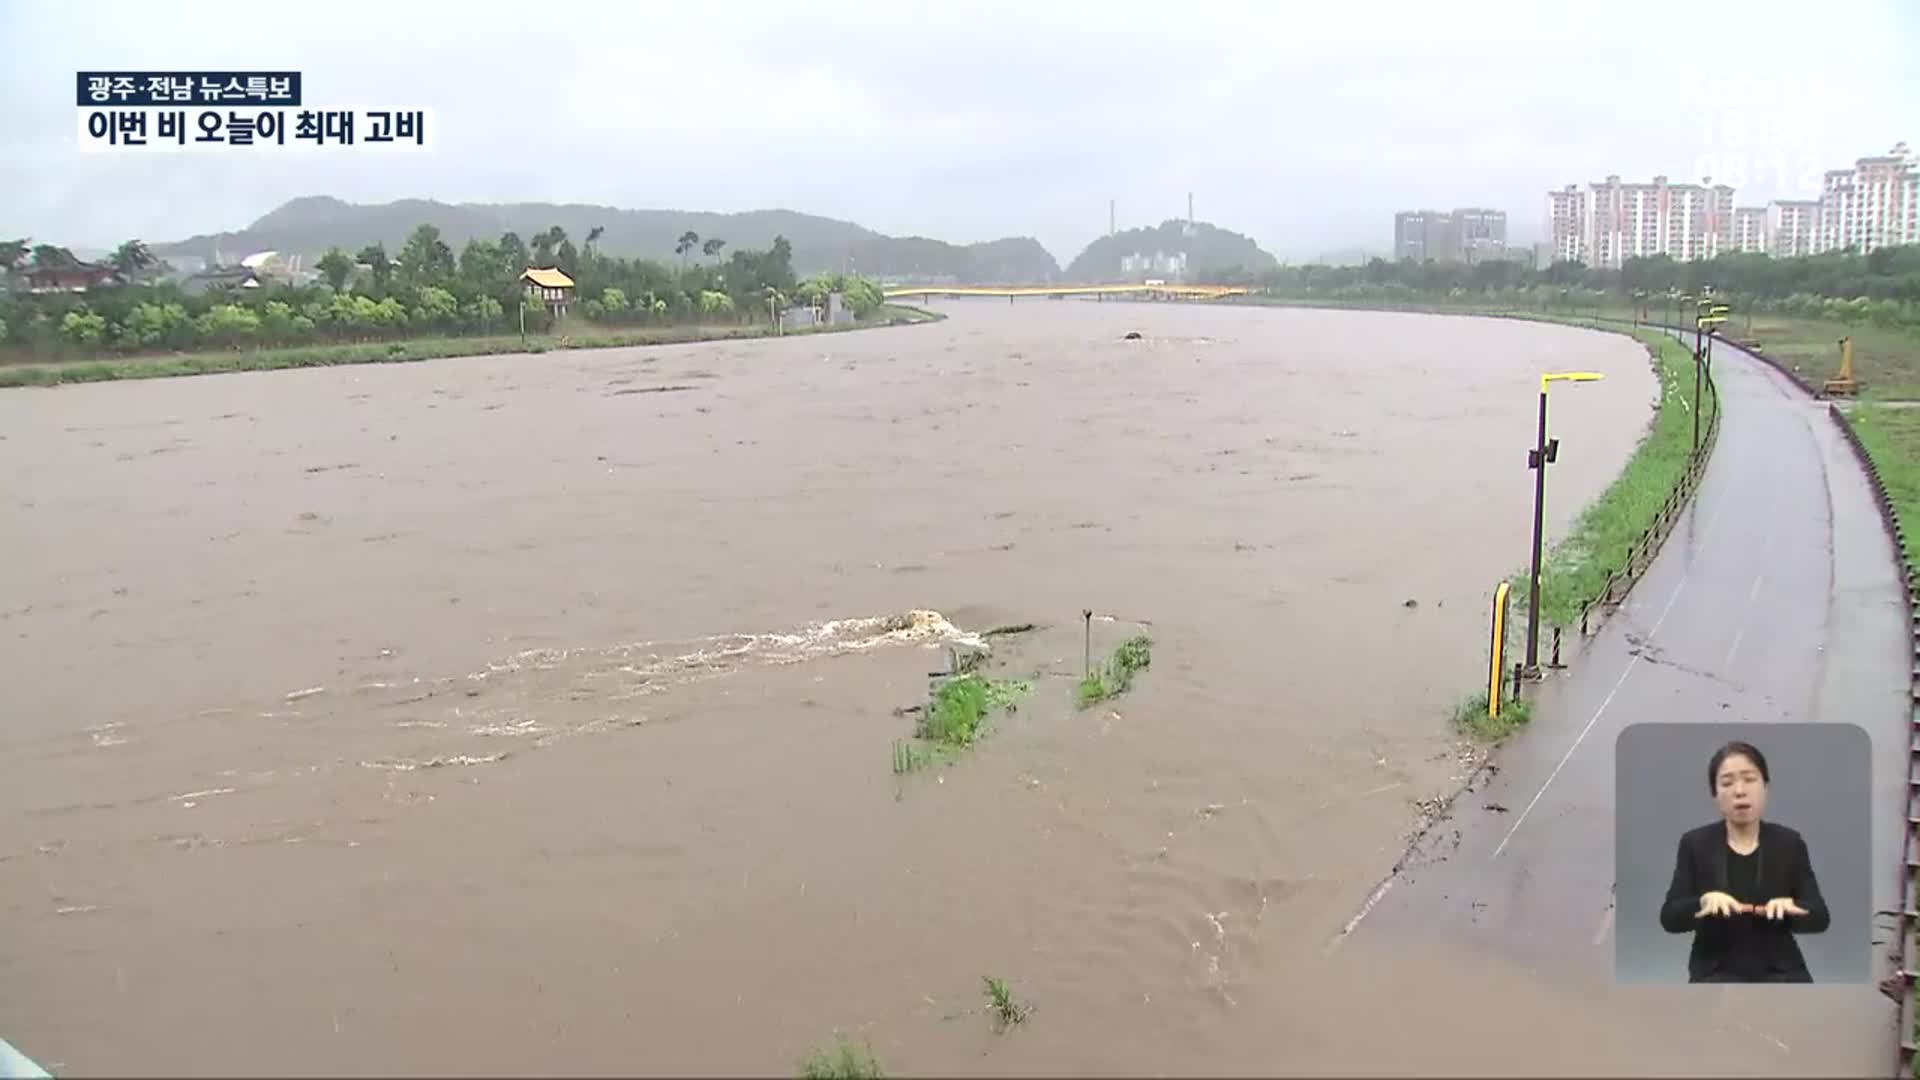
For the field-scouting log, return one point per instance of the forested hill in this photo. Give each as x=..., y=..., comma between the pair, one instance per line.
x=1210, y=251
x=309, y=226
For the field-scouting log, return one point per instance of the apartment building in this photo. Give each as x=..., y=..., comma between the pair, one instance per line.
x=1479, y=234
x=1471, y=234
x=1421, y=235
x=1566, y=225
x=1875, y=204
x=1792, y=227
x=1684, y=221
x=1750, y=229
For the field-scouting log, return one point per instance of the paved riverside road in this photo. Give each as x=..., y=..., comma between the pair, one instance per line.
x=1776, y=598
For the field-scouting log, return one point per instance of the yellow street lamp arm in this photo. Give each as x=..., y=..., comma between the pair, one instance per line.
x=1569, y=376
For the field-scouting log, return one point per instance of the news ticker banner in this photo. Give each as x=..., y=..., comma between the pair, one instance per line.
x=202, y=111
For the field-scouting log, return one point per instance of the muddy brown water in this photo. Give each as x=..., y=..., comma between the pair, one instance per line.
x=487, y=715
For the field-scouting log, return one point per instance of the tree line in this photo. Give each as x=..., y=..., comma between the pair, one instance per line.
x=1881, y=287
x=423, y=289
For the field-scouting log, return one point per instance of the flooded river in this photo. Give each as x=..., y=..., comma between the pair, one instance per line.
x=534, y=713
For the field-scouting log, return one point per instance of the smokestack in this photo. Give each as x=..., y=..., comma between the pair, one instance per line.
x=1110, y=216
x=1189, y=208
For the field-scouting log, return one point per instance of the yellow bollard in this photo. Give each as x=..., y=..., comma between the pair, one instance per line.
x=1496, y=667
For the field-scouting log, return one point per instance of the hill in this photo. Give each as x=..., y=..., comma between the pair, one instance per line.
x=1142, y=253
x=311, y=225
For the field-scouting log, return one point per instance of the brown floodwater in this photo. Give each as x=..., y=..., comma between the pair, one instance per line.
x=535, y=713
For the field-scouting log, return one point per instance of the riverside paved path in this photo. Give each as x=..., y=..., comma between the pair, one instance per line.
x=1776, y=598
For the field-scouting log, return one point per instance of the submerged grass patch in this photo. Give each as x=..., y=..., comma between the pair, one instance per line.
x=1470, y=718
x=1007, y=1010
x=1575, y=569
x=846, y=1062
x=959, y=712
x=1115, y=677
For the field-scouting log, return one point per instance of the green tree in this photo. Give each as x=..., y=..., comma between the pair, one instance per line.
x=149, y=325
x=374, y=258
x=13, y=254
x=482, y=312
x=687, y=242
x=132, y=259
x=715, y=303
x=52, y=257
x=426, y=259
x=435, y=308
x=614, y=301
x=276, y=320
x=546, y=246
x=228, y=324
x=83, y=328
x=514, y=257
x=480, y=263
x=712, y=247
x=566, y=258
x=336, y=268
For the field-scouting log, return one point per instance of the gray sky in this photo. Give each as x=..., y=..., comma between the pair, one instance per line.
x=1304, y=124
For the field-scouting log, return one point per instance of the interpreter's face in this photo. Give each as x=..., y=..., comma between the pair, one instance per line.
x=1739, y=791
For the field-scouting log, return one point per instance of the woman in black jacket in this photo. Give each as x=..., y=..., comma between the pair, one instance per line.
x=1744, y=887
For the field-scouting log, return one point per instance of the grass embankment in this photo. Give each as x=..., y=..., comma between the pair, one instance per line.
x=1115, y=677
x=1891, y=437
x=1576, y=568
x=399, y=352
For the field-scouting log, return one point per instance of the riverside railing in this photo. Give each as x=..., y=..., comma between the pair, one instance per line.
x=1640, y=554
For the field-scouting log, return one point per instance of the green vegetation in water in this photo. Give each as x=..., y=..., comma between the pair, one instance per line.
x=958, y=713
x=960, y=709
x=1007, y=1010
x=847, y=1062
x=1471, y=718
x=1576, y=568
x=1115, y=677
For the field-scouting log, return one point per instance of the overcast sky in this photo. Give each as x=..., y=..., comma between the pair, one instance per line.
x=1303, y=124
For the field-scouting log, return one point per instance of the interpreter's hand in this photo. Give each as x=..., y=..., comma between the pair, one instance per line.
x=1779, y=908
x=1720, y=905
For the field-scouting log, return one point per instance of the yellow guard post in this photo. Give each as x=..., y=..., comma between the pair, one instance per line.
x=1496, y=673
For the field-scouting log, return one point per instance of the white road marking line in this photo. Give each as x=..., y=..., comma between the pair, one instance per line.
x=1365, y=909
x=1728, y=662
x=1634, y=663
x=1740, y=634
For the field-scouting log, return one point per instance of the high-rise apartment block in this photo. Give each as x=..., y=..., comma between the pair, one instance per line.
x=1421, y=235
x=1618, y=221
x=1875, y=204
x=1792, y=227
x=1750, y=229
x=1468, y=235
x=1567, y=224
x=1872, y=205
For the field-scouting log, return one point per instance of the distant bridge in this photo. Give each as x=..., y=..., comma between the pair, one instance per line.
x=1151, y=292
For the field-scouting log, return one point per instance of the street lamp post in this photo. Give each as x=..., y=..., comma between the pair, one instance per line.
x=1543, y=454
